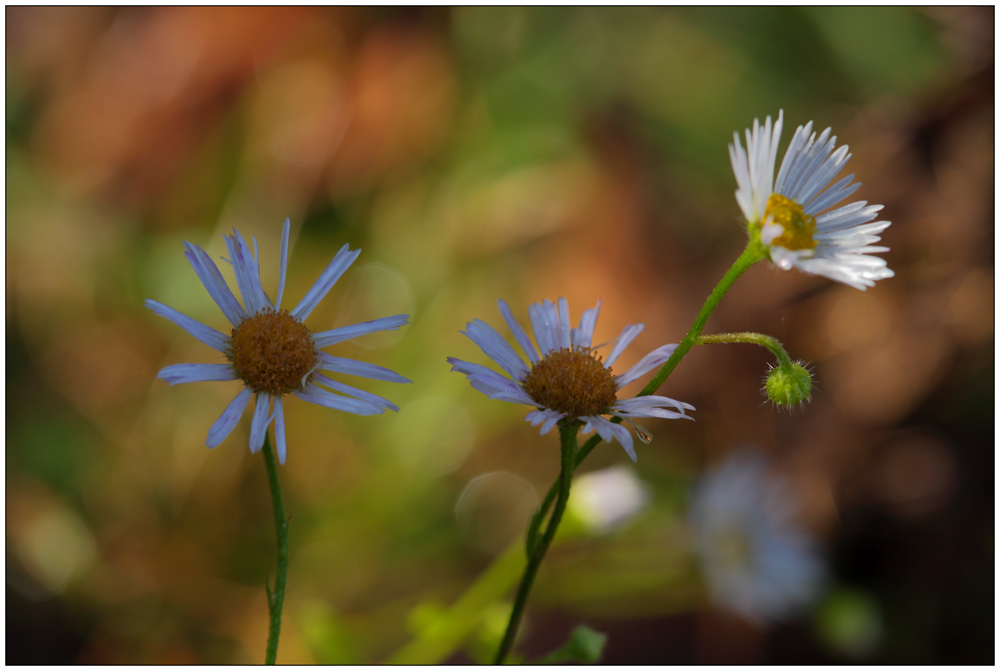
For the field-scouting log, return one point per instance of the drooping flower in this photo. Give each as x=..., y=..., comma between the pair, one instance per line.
x=565, y=378
x=792, y=212
x=757, y=561
x=271, y=350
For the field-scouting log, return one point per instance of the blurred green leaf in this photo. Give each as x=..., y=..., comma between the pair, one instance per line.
x=584, y=645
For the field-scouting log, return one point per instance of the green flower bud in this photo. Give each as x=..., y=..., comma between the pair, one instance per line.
x=789, y=385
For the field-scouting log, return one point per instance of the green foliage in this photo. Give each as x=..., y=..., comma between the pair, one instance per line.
x=584, y=645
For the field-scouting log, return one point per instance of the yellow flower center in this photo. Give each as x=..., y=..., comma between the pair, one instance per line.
x=799, y=226
x=272, y=352
x=572, y=381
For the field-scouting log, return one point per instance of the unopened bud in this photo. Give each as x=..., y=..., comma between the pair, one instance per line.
x=789, y=385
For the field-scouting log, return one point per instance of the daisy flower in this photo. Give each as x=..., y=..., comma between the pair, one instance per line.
x=757, y=561
x=271, y=350
x=565, y=379
x=792, y=212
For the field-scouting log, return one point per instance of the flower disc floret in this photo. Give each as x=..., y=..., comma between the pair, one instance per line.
x=272, y=352
x=799, y=227
x=572, y=381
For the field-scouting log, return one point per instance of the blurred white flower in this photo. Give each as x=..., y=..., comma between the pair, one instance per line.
x=605, y=499
x=791, y=210
x=757, y=561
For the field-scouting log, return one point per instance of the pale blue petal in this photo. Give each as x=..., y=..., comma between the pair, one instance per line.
x=279, y=429
x=197, y=372
x=356, y=393
x=545, y=324
x=519, y=334
x=258, y=427
x=584, y=336
x=229, y=418
x=284, y=265
x=628, y=334
x=214, y=283
x=205, y=334
x=359, y=368
x=314, y=394
x=496, y=348
x=654, y=359
x=334, y=336
x=340, y=263
x=245, y=269
x=564, y=326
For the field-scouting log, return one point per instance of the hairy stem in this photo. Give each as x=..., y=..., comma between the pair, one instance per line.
x=536, y=551
x=766, y=341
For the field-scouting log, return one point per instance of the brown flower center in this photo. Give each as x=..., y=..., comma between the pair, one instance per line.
x=572, y=381
x=799, y=226
x=272, y=352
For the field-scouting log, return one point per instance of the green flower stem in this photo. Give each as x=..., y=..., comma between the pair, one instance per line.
x=276, y=599
x=567, y=439
x=760, y=339
x=754, y=252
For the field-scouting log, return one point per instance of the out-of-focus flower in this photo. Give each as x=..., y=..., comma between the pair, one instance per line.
x=271, y=350
x=790, y=212
x=756, y=560
x=568, y=381
x=605, y=499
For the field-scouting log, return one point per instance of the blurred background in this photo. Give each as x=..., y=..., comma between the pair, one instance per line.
x=476, y=154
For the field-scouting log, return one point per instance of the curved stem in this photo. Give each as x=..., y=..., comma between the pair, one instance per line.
x=753, y=253
x=567, y=438
x=276, y=599
x=766, y=341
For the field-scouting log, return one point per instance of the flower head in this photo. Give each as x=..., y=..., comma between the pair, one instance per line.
x=271, y=350
x=565, y=378
x=791, y=213
x=757, y=561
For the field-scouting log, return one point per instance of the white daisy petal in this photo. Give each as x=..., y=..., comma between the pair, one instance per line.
x=334, y=336
x=229, y=418
x=197, y=372
x=205, y=334
x=842, y=237
x=336, y=268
